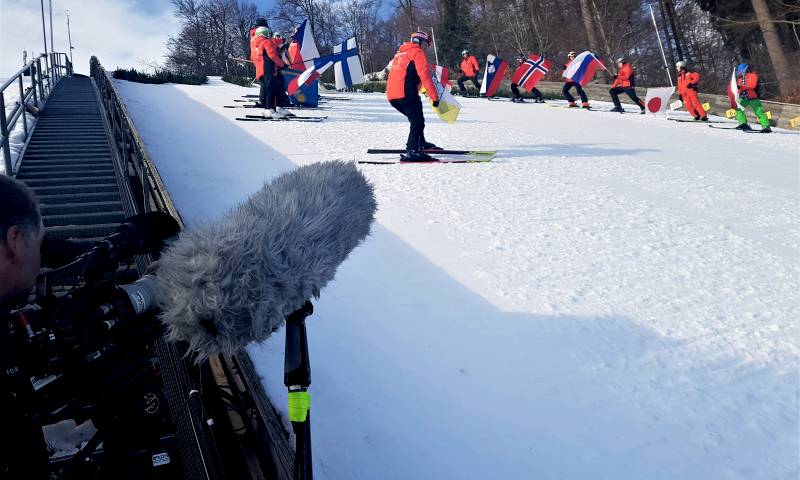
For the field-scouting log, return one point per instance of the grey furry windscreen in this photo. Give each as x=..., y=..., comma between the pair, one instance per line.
x=227, y=283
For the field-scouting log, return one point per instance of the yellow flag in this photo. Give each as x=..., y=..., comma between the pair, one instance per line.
x=449, y=107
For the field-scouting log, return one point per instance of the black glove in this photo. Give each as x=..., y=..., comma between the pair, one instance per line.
x=680, y=97
x=435, y=103
x=693, y=86
x=744, y=95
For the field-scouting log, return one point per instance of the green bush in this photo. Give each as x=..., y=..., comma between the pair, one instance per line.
x=159, y=76
x=236, y=80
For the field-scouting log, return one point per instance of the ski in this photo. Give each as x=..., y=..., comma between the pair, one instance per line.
x=261, y=118
x=294, y=107
x=429, y=162
x=691, y=120
x=466, y=153
x=726, y=128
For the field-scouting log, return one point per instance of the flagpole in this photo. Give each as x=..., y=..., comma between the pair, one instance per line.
x=658, y=35
x=435, y=52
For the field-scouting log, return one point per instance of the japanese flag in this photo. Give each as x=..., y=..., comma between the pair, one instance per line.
x=657, y=99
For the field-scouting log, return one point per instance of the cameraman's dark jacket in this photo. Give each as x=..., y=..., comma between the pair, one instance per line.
x=23, y=452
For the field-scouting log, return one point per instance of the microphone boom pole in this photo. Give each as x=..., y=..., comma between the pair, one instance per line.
x=297, y=378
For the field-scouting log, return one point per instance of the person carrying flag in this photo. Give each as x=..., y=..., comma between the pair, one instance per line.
x=749, y=90
x=408, y=70
x=568, y=84
x=267, y=61
x=624, y=82
x=687, y=91
x=282, y=99
x=469, y=71
x=517, y=98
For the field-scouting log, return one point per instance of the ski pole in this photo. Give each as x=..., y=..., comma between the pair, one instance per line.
x=297, y=378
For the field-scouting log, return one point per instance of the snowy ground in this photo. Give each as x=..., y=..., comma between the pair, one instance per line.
x=616, y=297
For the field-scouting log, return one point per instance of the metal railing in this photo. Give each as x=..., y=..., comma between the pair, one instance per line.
x=31, y=98
x=147, y=188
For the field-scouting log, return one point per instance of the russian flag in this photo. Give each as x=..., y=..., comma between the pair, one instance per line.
x=348, y=70
x=303, y=48
x=583, y=67
x=493, y=75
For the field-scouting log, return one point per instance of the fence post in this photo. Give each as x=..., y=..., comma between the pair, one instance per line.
x=33, y=85
x=6, y=140
x=22, y=104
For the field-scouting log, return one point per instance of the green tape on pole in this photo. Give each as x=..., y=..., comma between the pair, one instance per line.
x=299, y=404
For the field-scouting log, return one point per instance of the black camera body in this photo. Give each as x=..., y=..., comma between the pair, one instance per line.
x=88, y=353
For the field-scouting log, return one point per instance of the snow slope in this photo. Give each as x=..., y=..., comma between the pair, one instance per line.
x=616, y=297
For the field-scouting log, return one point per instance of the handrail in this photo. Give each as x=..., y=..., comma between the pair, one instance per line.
x=30, y=99
x=147, y=186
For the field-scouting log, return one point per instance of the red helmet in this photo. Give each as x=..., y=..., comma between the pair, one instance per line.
x=420, y=36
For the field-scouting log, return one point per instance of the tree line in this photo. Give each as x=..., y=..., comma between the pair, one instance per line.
x=712, y=35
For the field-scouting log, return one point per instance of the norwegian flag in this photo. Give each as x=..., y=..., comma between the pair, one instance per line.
x=531, y=71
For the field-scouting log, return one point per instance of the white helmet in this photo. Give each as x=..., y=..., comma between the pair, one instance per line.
x=680, y=64
x=264, y=32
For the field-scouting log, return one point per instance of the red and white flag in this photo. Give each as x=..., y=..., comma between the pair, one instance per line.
x=441, y=73
x=531, y=71
x=657, y=99
x=308, y=76
x=733, y=92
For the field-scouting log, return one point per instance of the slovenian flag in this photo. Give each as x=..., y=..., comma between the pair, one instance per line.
x=303, y=49
x=493, y=75
x=531, y=71
x=733, y=92
x=582, y=68
x=348, y=69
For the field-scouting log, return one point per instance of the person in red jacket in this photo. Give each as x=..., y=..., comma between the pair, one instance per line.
x=267, y=62
x=469, y=71
x=624, y=82
x=409, y=69
x=687, y=91
x=568, y=84
x=747, y=81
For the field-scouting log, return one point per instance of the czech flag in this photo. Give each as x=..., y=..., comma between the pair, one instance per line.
x=496, y=69
x=312, y=73
x=582, y=68
x=531, y=71
x=303, y=49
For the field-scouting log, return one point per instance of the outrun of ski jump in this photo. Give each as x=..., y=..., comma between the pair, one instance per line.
x=555, y=286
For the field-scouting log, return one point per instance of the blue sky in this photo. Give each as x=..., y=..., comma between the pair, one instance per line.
x=124, y=33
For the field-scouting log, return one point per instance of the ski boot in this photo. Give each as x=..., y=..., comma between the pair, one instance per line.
x=415, y=156
x=285, y=112
x=572, y=105
x=744, y=127
x=585, y=105
x=766, y=129
x=425, y=145
x=617, y=109
x=704, y=119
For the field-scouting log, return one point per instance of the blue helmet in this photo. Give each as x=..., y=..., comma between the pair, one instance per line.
x=742, y=68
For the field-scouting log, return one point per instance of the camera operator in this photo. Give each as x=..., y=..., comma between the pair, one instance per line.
x=23, y=452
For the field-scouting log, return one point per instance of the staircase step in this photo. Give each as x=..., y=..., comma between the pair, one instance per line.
x=51, y=182
x=78, y=197
x=24, y=176
x=91, y=218
x=83, y=231
x=78, y=188
x=81, y=207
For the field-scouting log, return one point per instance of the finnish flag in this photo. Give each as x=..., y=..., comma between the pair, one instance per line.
x=348, y=70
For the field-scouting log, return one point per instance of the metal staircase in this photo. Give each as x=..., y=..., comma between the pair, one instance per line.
x=69, y=166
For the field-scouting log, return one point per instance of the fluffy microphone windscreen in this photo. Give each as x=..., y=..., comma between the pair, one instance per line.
x=227, y=283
